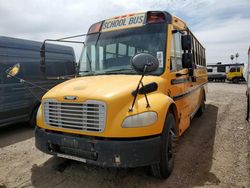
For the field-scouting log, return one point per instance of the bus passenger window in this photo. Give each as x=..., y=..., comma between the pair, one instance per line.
x=111, y=51
x=122, y=50
x=139, y=50
x=131, y=51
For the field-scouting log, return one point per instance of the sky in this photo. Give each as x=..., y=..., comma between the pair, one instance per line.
x=222, y=26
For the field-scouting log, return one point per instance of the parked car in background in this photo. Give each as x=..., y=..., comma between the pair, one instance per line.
x=17, y=104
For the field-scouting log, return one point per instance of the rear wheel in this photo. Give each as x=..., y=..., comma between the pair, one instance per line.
x=164, y=168
x=202, y=107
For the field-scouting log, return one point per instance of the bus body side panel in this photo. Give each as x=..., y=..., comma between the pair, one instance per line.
x=177, y=86
x=187, y=91
x=201, y=79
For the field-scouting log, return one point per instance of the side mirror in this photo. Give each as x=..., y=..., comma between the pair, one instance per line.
x=42, y=58
x=187, y=60
x=144, y=63
x=186, y=42
x=13, y=71
x=77, y=66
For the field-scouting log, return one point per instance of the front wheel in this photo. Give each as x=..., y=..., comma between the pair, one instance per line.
x=202, y=107
x=235, y=80
x=164, y=168
x=32, y=121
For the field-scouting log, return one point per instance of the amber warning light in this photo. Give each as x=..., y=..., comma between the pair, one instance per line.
x=95, y=27
x=155, y=17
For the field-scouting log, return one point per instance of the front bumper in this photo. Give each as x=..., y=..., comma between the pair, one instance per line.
x=101, y=152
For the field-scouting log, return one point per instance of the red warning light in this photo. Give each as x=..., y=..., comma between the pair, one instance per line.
x=155, y=17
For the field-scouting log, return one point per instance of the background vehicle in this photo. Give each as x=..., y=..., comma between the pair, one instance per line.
x=216, y=73
x=248, y=86
x=16, y=103
x=235, y=74
x=143, y=78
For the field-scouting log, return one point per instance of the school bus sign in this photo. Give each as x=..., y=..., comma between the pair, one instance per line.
x=123, y=22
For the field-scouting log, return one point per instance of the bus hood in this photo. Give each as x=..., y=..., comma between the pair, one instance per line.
x=105, y=87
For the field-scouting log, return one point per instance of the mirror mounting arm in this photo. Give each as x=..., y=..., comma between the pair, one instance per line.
x=26, y=86
x=143, y=63
x=145, y=94
x=137, y=91
x=31, y=92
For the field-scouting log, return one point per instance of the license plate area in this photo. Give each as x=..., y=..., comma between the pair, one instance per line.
x=71, y=157
x=69, y=142
x=72, y=147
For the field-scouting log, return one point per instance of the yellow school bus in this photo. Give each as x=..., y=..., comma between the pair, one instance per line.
x=142, y=78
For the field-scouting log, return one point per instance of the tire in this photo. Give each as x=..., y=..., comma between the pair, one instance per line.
x=247, y=118
x=202, y=107
x=163, y=169
x=32, y=121
x=235, y=80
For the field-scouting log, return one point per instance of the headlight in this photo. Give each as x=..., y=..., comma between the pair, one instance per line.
x=140, y=120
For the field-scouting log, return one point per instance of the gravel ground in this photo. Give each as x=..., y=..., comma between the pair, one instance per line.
x=214, y=152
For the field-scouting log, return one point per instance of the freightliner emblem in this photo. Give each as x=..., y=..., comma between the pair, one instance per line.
x=70, y=97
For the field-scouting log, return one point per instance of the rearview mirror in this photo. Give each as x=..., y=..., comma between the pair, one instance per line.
x=144, y=63
x=42, y=58
x=187, y=60
x=13, y=71
x=186, y=42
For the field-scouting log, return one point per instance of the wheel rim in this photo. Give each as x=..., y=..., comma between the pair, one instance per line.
x=169, y=149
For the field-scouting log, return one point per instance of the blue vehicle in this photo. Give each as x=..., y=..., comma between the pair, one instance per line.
x=17, y=103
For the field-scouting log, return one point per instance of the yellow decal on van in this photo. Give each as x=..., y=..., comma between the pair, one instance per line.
x=124, y=22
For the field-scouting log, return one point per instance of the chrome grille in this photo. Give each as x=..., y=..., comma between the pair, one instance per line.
x=87, y=116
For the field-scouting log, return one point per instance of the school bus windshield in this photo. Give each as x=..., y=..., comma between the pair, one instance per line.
x=110, y=52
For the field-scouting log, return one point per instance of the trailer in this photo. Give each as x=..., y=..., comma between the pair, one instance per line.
x=217, y=74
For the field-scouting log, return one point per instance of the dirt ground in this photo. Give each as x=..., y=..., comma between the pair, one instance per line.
x=214, y=152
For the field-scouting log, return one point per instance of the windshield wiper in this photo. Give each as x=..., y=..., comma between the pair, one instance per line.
x=85, y=73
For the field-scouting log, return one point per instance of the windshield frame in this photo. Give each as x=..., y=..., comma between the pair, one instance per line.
x=96, y=37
